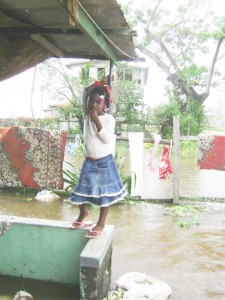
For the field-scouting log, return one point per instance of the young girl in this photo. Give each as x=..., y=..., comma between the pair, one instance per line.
x=99, y=181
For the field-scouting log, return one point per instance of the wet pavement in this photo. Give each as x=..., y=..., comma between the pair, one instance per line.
x=183, y=246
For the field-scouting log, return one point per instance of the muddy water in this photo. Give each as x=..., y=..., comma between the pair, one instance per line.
x=148, y=238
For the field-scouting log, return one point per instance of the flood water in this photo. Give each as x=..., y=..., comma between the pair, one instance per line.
x=187, y=251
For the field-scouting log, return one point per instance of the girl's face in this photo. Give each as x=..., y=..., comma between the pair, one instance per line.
x=97, y=103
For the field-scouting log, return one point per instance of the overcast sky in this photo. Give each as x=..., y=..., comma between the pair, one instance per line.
x=15, y=93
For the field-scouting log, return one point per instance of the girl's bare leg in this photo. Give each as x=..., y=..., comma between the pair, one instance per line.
x=83, y=212
x=79, y=223
x=101, y=220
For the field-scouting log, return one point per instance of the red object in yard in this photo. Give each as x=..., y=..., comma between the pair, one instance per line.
x=165, y=167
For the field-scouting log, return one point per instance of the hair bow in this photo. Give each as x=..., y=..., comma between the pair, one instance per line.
x=106, y=88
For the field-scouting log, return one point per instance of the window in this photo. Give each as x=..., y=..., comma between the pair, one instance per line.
x=125, y=74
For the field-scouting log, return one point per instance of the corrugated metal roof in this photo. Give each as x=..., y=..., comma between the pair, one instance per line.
x=32, y=31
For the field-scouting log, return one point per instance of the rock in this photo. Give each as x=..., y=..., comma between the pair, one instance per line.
x=46, y=196
x=23, y=296
x=114, y=295
x=138, y=286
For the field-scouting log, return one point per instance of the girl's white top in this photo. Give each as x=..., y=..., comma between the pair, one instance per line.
x=98, y=144
x=102, y=143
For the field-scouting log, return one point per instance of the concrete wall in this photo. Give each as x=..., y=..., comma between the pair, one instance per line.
x=95, y=267
x=51, y=251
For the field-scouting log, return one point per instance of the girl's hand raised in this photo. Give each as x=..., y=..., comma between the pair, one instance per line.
x=95, y=118
x=105, y=80
x=94, y=115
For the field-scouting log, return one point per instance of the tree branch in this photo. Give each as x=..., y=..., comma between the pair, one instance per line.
x=155, y=58
x=168, y=54
x=66, y=79
x=209, y=81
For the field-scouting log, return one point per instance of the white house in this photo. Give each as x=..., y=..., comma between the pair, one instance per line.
x=96, y=70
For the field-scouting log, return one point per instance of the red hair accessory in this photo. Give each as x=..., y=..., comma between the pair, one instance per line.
x=106, y=88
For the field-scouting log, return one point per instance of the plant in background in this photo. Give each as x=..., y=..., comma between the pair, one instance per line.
x=186, y=43
x=128, y=106
x=46, y=123
x=188, y=149
x=70, y=177
x=126, y=179
x=120, y=157
x=192, y=116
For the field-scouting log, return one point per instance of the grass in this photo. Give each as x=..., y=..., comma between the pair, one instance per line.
x=188, y=214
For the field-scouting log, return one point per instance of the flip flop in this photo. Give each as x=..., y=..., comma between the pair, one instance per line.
x=78, y=225
x=93, y=234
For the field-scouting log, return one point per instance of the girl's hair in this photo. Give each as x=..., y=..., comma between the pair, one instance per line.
x=101, y=91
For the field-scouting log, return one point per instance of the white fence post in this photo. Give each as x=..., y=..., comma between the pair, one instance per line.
x=136, y=142
x=176, y=159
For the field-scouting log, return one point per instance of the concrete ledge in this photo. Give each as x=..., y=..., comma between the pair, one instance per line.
x=40, y=249
x=95, y=250
x=49, y=250
x=32, y=221
x=95, y=266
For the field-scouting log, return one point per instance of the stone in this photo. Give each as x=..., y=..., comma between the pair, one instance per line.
x=23, y=296
x=138, y=286
x=46, y=196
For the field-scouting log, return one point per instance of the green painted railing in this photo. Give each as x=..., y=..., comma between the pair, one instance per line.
x=44, y=250
x=51, y=251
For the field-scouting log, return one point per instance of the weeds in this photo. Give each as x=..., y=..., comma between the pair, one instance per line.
x=188, y=214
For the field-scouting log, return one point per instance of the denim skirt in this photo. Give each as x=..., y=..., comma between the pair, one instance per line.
x=99, y=183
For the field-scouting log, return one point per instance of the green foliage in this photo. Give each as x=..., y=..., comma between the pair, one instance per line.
x=193, y=73
x=74, y=130
x=188, y=149
x=182, y=42
x=44, y=123
x=72, y=112
x=188, y=215
x=128, y=103
x=25, y=194
x=70, y=177
x=128, y=107
x=163, y=119
x=84, y=75
x=28, y=199
x=192, y=116
x=120, y=158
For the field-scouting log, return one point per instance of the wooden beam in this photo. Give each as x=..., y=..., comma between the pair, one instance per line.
x=47, y=45
x=59, y=31
x=40, y=31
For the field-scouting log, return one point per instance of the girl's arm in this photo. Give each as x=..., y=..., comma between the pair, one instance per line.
x=106, y=133
x=95, y=118
x=85, y=101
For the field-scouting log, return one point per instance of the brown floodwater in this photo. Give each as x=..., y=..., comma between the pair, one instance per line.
x=186, y=250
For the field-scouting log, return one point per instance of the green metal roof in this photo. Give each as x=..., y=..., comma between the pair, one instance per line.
x=32, y=31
